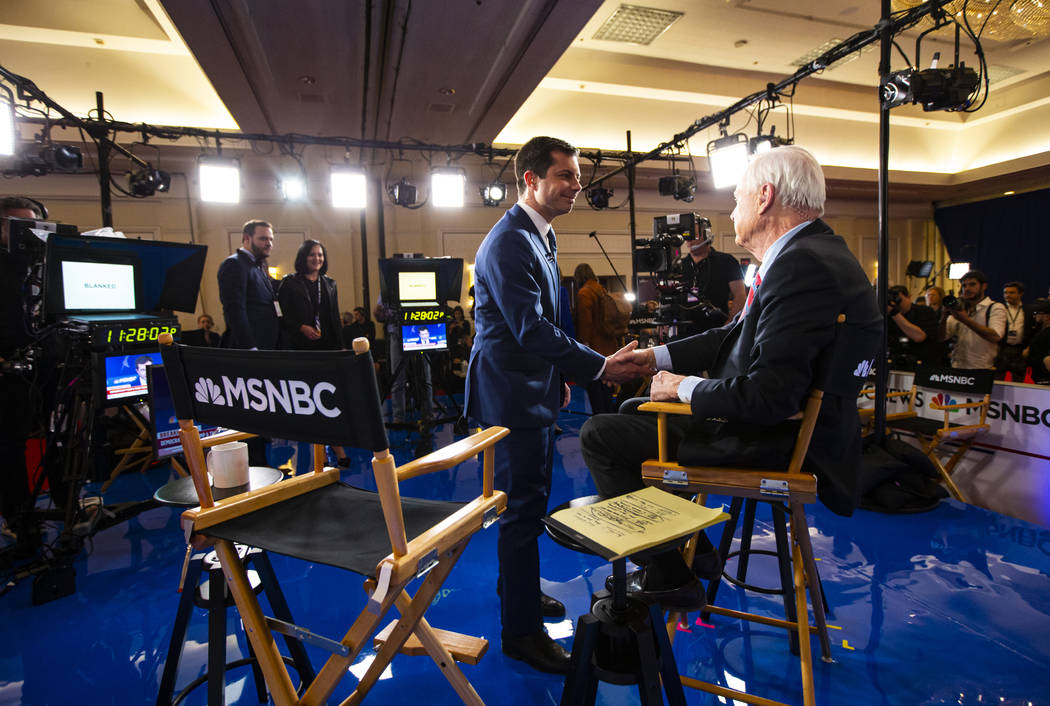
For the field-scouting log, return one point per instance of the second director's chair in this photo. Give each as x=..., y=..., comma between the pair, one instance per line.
x=331, y=398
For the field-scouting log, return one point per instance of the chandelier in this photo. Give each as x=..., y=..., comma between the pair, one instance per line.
x=1002, y=20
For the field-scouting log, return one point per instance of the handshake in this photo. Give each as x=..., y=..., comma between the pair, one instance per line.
x=629, y=363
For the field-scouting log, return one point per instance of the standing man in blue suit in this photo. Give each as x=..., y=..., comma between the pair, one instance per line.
x=247, y=292
x=516, y=379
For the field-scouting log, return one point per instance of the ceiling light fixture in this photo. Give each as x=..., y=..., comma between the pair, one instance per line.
x=447, y=187
x=493, y=194
x=7, y=125
x=220, y=179
x=681, y=187
x=403, y=193
x=727, y=157
x=293, y=187
x=148, y=181
x=598, y=197
x=349, y=188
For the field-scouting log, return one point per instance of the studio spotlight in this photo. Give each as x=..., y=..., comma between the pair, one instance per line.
x=957, y=269
x=7, y=129
x=349, y=188
x=403, y=193
x=64, y=157
x=933, y=89
x=727, y=157
x=293, y=187
x=598, y=197
x=447, y=187
x=50, y=158
x=682, y=188
x=148, y=181
x=220, y=179
x=493, y=194
x=764, y=143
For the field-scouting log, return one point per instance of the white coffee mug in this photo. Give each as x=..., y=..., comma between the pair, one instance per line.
x=228, y=464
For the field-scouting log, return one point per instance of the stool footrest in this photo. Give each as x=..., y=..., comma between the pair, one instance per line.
x=729, y=693
x=752, y=617
x=464, y=648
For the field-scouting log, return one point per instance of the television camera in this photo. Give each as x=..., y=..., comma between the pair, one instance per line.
x=681, y=304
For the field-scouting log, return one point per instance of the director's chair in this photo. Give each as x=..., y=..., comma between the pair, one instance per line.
x=937, y=386
x=788, y=492
x=329, y=397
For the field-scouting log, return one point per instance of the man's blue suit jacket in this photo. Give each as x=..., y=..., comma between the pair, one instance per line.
x=246, y=293
x=520, y=354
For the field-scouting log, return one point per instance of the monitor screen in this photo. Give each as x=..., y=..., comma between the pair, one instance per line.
x=417, y=286
x=424, y=337
x=162, y=417
x=98, y=286
x=126, y=374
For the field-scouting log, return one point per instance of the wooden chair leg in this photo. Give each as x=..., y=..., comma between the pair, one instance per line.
x=800, y=533
x=805, y=657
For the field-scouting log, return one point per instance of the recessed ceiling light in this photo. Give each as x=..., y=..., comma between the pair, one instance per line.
x=446, y=91
x=1008, y=193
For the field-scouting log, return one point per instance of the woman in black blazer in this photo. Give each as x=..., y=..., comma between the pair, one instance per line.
x=310, y=303
x=310, y=310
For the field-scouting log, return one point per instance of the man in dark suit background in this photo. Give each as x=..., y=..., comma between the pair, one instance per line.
x=203, y=336
x=247, y=292
x=515, y=379
x=755, y=371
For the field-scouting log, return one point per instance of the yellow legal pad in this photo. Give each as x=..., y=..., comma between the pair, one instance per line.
x=630, y=523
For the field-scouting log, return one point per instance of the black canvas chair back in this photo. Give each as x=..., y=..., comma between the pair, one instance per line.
x=330, y=398
x=327, y=397
x=975, y=383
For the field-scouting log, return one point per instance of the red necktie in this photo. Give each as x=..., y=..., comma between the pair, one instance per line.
x=751, y=294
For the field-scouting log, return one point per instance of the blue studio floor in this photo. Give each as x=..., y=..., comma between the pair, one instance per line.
x=946, y=607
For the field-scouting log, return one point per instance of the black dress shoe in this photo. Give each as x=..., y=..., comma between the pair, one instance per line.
x=688, y=597
x=551, y=607
x=538, y=651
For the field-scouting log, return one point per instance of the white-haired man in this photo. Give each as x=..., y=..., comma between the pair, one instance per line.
x=753, y=373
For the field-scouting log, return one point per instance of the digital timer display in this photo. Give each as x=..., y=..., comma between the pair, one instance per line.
x=423, y=315
x=138, y=334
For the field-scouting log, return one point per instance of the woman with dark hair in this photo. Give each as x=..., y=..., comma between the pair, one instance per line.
x=310, y=311
x=310, y=303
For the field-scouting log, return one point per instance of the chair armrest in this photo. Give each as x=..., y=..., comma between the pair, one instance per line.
x=226, y=436
x=453, y=454
x=666, y=407
x=960, y=405
x=257, y=499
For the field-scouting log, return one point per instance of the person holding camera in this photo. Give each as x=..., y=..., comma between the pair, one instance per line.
x=713, y=283
x=975, y=322
x=911, y=332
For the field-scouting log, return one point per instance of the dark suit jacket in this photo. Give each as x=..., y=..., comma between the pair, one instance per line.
x=246, y=292
x=761, y=365
x=297, y=310
x=519, y=353
x=200, y=337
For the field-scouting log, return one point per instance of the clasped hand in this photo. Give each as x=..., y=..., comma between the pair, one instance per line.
x=629, y=363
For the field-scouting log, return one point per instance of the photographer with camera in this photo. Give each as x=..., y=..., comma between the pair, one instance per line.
x=975, y=322
x=712, y=281
x=15, y=392
x=912, y=332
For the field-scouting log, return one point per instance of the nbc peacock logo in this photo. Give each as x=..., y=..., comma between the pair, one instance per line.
x=943, y=399
x=206, y=391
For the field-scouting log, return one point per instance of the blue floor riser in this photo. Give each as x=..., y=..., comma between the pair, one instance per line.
x=946, y=607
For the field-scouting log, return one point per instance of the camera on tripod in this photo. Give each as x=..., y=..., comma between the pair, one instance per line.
x=660, y=256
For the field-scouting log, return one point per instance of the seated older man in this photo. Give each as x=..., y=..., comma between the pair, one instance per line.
x=755, y=371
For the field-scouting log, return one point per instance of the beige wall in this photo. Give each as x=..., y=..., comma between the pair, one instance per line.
x=432, y=231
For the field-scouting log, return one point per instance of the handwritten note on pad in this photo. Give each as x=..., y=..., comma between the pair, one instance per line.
x=630, y=523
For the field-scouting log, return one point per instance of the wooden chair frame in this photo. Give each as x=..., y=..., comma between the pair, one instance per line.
x=793, y=487
x=432, y=553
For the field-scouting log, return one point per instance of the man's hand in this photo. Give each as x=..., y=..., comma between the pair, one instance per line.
x=566, y=395
x=628, y=364
x=310, y=332
x=664, y=387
